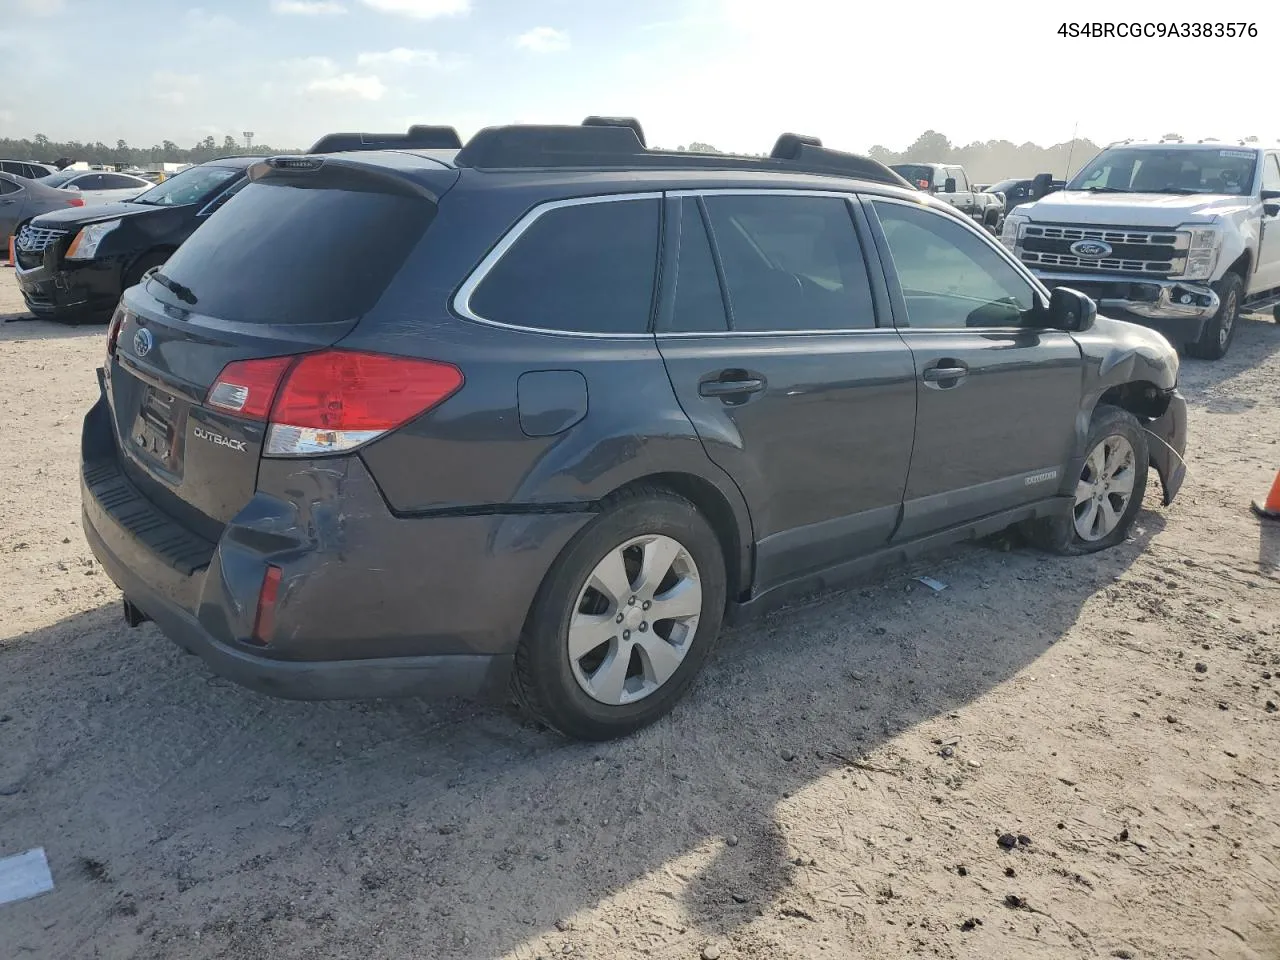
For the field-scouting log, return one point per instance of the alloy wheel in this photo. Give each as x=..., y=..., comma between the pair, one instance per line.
x=634, y=620
x=1105, y=487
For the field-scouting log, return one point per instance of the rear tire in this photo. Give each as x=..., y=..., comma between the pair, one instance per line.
x=1108, y=493
x=1220, y=330
x=649, y=546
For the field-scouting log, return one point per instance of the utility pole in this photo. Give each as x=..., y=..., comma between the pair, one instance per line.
x=248, y=139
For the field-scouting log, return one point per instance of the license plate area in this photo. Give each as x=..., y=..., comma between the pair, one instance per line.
x=156, y=436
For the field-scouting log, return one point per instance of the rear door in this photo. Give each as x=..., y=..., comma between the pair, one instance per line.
x=289, y=266
x=769, y=334
x=12, y=200
x=999, y=395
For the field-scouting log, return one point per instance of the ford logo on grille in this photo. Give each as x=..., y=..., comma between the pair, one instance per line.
x=1091, y=249
x=143, y=341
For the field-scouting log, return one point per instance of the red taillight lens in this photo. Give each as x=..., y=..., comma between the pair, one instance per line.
x=247, y=387
x=76, y=202
x=264, y=623
x=340, y=390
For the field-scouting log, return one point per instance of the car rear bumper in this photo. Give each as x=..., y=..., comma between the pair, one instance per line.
x=369, y=605
x=1155, y=303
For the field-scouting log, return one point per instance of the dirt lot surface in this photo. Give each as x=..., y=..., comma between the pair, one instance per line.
x=835, y=786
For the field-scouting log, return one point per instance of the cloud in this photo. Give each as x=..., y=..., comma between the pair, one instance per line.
x=42, y=8
x=200, y=19
x=421, y=9
x=349, y=86
x=173, y=88
x=307, y=8
x=543, y=40
x=399, y=57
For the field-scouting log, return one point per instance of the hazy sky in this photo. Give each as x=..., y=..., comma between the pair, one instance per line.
x=733, y=73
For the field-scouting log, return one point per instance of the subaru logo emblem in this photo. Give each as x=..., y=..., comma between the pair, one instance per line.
x=1091, y=249
x=143, y=341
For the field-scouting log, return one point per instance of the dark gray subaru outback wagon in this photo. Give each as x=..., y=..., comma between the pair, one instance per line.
x=408, y=416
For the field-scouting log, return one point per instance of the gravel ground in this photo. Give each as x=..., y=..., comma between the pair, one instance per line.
x=835, y=786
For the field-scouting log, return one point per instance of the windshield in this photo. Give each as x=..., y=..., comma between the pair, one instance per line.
x=1220, y=170
x=190, y=186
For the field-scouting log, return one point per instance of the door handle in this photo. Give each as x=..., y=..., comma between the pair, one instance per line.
x=730, y=388
x=951, y=371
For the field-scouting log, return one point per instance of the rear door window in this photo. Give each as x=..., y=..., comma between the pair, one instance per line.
x=582, y=268
x=1271, y=173
x=287, y=254
x=791, y=263
x=8, y=186
x=111, y=181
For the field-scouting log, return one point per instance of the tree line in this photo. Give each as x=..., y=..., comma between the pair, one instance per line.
x=986, y=161
x=44, y=150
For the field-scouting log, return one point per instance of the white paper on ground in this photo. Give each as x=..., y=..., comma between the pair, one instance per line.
x=932, y=584
x=24, y=876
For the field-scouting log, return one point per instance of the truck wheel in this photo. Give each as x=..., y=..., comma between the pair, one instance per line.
x=624, y=620
x=1109, y=490
x=1218, y=332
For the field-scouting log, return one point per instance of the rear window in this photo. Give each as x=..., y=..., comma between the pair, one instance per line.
x=288, y=254
x=917, y=174
x=586, y=268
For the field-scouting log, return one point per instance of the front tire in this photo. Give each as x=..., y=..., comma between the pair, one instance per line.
x=133, y=276
x=1220, y=330
x=1109, y=490
x=625, y=618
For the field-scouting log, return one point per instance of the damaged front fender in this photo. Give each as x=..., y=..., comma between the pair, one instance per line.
x=1167, y=443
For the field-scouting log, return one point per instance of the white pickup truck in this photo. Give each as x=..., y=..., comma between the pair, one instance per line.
x=1177, y=236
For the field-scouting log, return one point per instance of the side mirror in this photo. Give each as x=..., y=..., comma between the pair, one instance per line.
x=1071, y=310
x=950, y=185
x=1271, y=203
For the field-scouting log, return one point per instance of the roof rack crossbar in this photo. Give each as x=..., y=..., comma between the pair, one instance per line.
x=419, y=137
x=630, y=122
x=617, y=143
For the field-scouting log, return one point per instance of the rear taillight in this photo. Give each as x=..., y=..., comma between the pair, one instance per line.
x=76, y=202
x=247, y=387
x=331, y=401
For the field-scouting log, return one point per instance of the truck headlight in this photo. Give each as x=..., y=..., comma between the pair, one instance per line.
x=1202, y=253
x=85, y=245
x=1012, y=224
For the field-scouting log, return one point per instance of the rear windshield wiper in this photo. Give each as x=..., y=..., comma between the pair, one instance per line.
x=179, y=290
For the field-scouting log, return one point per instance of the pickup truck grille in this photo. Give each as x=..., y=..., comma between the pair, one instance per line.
x=1133, y=249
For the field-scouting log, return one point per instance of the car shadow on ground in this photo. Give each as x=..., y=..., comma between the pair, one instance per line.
x=192, y=818
x=24, y=326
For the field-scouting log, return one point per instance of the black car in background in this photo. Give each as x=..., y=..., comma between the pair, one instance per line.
x=1018, y=192
x=72, y=265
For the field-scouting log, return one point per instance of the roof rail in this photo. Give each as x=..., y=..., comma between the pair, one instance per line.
x=419, y=137
x=617, y=143
x=631, y=122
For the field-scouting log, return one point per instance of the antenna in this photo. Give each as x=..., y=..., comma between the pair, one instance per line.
x=1071, y=150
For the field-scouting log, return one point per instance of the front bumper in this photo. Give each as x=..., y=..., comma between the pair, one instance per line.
x=1177, y=308
x=1167, y=445
x=61, y=289
x=369, y=605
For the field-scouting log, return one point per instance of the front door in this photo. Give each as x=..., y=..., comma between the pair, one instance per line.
x=1267, y=274
x=768, y=330
x=998, y=396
